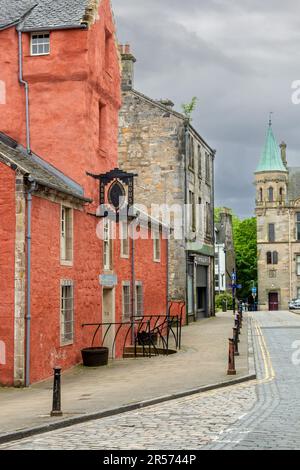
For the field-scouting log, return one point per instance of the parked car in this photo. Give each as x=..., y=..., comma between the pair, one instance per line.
x=294, y=304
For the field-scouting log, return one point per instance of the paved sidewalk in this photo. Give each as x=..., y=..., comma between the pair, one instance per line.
x=202, y=361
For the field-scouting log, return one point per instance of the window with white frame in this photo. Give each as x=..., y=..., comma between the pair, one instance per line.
x=40, y=44
x=106, y=245
x=156, y=246
x=67, y=312
x=126, y=301
x=124, y=240
x=139, y=302
x=66, y=235
x=298, y=292
x=298, y=265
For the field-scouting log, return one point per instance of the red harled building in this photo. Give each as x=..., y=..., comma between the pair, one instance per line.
x=60, y=266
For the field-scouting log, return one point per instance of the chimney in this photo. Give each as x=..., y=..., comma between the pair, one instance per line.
x=283, y=153
x=128, y=61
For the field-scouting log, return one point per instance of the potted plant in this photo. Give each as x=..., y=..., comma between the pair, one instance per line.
x=95, y=356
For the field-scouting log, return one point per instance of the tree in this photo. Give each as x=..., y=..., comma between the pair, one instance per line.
x=245, y=245
x=189, y=108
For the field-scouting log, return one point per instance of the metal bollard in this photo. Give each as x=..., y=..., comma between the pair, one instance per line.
x=231, y=362
x=56, y=406
x=236, y=341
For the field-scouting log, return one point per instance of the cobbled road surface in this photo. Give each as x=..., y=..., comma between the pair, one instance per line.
x=262, y=414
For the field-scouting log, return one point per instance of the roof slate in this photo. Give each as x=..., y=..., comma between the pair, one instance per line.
x=48, y=14
x=40, y=172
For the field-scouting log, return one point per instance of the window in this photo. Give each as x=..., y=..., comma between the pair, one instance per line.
x=139, y=309
x=208, y=219
x=281, y=194
x=126, y=301
x=261, y=195
x=298, y=292
x=207, y=168
x=67, y=312
x=298, y=226
x=298, y=265
x=269, y=257
x=192, y=213
x=124, y=240
x=40, y=44
x=191, y=153
x=106, y=245
x=271, y=232
x=199, y=162
x=271, y=194
x=66, y=235
x=156, y=246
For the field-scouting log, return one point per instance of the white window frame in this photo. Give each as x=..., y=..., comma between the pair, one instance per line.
x=156, y=239
x=63, y=340
x=126, y=284
x=107, y=245
x=43, y=43
x=66, y=235
x=124, y=240
x=139, y=285
x=298, y=264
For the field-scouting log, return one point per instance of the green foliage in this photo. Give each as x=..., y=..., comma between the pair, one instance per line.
x=220, y=298
x=189, y=108
x=245, y=243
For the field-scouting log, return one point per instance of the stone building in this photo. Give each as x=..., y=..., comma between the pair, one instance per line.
x=176, y=169
x=224, y=252
x=278, y=227
x=60, y=265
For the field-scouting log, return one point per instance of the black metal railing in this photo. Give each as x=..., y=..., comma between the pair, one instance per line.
x=155, y=334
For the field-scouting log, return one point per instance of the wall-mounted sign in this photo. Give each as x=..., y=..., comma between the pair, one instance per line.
x=108, y=280
x=202, y=260
x=116, y=197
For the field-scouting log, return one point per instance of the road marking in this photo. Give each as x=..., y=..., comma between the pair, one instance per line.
x=268, y=366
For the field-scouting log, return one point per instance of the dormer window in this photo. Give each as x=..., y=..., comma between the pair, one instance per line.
x=40, y=44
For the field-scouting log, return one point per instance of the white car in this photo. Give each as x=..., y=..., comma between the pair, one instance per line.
x=294, y=304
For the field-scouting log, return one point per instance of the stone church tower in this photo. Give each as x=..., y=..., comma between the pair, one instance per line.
x=278, y=227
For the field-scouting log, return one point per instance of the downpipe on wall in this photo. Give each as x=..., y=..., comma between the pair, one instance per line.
x=26, y=87
x=28, y=310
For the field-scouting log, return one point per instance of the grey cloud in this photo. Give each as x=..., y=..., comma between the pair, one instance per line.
x=239, y=58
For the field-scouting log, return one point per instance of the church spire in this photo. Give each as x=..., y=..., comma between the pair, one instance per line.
x=270, y=158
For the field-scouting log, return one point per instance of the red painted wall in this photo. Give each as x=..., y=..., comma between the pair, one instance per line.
x=46, y=350
x=67, y=89
x=7, y=269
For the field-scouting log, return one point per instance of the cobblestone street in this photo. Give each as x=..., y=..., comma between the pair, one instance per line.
x=263, y=414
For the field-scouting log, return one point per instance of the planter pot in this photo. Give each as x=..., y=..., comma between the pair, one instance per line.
x=95, y=357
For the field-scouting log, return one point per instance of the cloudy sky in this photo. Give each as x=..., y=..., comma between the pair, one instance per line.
x=239, y=57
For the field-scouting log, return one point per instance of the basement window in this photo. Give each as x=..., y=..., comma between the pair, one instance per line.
x=40, y=44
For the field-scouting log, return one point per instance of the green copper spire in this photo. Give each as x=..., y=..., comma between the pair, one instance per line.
x=270, y=158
